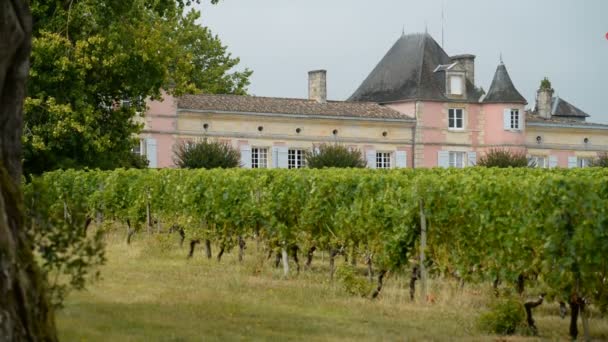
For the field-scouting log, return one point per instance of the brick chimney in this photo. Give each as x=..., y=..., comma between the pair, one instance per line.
x=468, y=62
x=317, y=85
x=544, y=99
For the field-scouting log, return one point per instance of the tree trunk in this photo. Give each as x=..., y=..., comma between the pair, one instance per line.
x=413, y=278
x=130, y=232
x=294, y=252
x=241, y=248
x=574, y=307
x=495, y=284
x=529, y=306
x=309, y=255
x=193, y=244
x=285, y=261
x=370, y=269
x=380, y=284
x=221, y=252
x=521, y=284
x=25, y=312
x=277, y=260
x=208, y=248
x=585, y=319
x=332, y=262
x=182, y=237
x=353, y=257
x=148, y=216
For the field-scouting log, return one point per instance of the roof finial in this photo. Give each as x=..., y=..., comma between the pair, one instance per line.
x=501, y=62
x=426, y=27
x=403, y=31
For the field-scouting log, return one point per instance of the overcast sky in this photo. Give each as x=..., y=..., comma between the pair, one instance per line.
x=281, y=40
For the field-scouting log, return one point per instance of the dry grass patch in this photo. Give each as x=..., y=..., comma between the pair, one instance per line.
x=148, y=295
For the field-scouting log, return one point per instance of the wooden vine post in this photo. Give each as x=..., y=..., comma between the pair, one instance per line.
x=422, y=251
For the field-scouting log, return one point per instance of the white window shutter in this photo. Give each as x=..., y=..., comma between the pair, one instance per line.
x=151, y=153
x=552, y=161
x=472, y=158
x=246, y=156
x=572, y=162
x=401, y=159
x=522, y=119
x=443, y=158
x=506, y=119
x=371, y=159
x=275, y=157
x=282, y=157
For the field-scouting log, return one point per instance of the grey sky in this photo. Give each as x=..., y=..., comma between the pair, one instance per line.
x=281, y=40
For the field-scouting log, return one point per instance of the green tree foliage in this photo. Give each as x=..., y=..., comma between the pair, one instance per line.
x=545, y=84
x=205, y=154
x=88, y=56
x=334, y=155
x=498, y=157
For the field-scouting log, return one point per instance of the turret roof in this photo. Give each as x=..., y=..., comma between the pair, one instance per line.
x=502, y=89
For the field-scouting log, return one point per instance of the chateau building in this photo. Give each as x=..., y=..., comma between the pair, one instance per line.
x=419, y=107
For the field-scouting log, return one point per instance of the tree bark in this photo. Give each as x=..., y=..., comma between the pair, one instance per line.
x=208, y=248
x=294, y=252
x=285, y=261
x=585, y=319
x=241, y=248
x=521, y=282
x=332, y=262
x=221, y=252
x=380, y=284
x=413, y=278
x=574, y=307
x=309, y=256
x=25, y=311
x=193, y=244
x=370, y=268
x=529, y=305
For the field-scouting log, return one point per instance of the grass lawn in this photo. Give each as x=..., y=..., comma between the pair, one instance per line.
x=148, y=293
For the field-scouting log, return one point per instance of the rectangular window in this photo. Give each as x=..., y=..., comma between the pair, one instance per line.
x=140, y=148
x=514, y=118
x=538, y=161
x=458, y=159
x=383, y=160
x=583, y=162
x=295, y=159
x=455, y=118
x=259, y=158
x=456, y=85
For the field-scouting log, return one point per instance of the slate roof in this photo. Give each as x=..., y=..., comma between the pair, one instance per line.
x=407, y=72
x=275, y=105
x=562, y=121
x=561, y=107
x=502, y=89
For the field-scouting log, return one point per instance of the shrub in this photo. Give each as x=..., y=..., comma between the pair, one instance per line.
x=205, y=154
x=334, y=155
x=545, y=84
x=601, y=160
x=504, y=317
x=351, y=283
x=504, y=158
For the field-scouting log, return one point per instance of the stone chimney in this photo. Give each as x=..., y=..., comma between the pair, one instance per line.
x=468, y=62
x=317, y=85
x=544, y=99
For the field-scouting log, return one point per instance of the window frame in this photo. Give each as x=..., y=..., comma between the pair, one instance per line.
x=384, y=160
x=255, y=157
x=515, y=119
x=453, y=160
x=583, y=162
x=536, y=158
x=455, y=119
x=451, y=79
x=296, y=158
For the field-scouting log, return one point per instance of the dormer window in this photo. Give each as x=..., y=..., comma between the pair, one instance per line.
x=456, y=85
